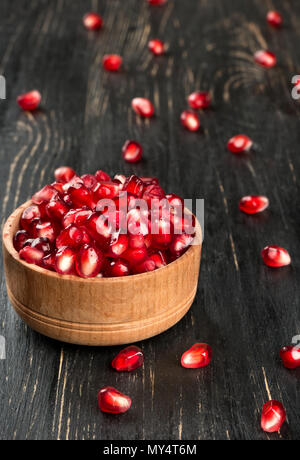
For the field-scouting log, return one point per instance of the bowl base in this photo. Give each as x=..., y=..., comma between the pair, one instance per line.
x=101, y=334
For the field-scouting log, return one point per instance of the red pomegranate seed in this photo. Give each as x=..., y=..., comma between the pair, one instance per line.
x=30, y=213
x=101, y=176
x=175, y=201
x=180, y=244
x=120, y=178
x=81, y=196
x=71, y=236
x=159, y=259
x=89, y=180
x=92, y=21
x=89, y=261
x=64, y=174
x=49, y=261
x=199, y=355
x=65, y=261
x=118, y=245
x=274, y=256
x=239, y=143
x=190, y=120
x=274, y=18
x=132, y=151
x=76, y=216
x=46, y=230
x=137, y=222
x=137, y=241
x=290, y=356
x=150, y=180
x=134, y=185
x=75, y=182
x=29, y=101
x=142, y=106
x=161, y=231
x=135, y=256
x=112, y=62
x=118, y=267
x=112, y=401
x=265, y=58
x=253, y=204
x=128, y=359
x=157, y=2
x=199, y=100
x=31, y=255
x=106, y=190
x=46, y=194
x=272, y=417
x=147, y=265
x=153, y=192
x=19, y=239
x=43, y=244
x=56, y=209
x=156, y=46
x=99, y=228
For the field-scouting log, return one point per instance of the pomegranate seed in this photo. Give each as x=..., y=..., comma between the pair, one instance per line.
x=64, y=174
x=132, y=151
x=274, y=18
x=118, y=245
x=142, y=106
x=31, y=255
x=159, y=259
x=274, y=256
x=89, y=180
x=265, y=58
x=71, y=236
x=43, y=244
x=81, y=196
x=136, y=241
x=112, y=401
x=89, y=261
x=112, y=62
x=29, y=101
x=101, y=176
x=106, y=190
x=99, y=228
x=239, y=143
x=65, y=261
x=190, y=120
x=153, y=192
x=253, y=204
x=199, y=355
x=137, y=222
x=135, y=256
x=75, y=182
x=150, y=180
x=92, y=21
x=134, y=185
x=161, y=232
x=272, y=417
x=46, y=194
x=118, y=267
x=175, y=201
x=46, y=230
x=199, y=100
x=290, y=356
x=49, y=261
x=19, y=239
x=128, y=359
x=56, y=209
x=147, y=265
x=120, y=178
x=157, y=47
x=58, y=187
x=76, y=216
x=157, y=2
x=30, y=213
x=180, y=244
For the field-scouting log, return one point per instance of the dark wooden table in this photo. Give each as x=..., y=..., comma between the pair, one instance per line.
x=245, y=310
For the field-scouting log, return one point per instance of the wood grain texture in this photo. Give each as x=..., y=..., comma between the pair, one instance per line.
x=243, y=309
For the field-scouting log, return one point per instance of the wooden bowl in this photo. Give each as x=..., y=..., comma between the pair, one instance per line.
x=99, y=311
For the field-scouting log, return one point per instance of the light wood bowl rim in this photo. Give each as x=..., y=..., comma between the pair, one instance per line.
x=7, y=238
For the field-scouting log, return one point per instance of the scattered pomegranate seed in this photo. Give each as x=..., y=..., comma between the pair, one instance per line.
x=92, y=21
x=272, y=417
x=265, y=58
x=142, y=106
x=199, y=355
x=274, y=256
x=64, y=174
x=274, y=18
x=29, y=101
x=199, y=100
x=239, y=143
x=89, y=261
x=157, y=2
x=19, y=239
x=253, y=204
x=31, y=255
x=65, y=261
x=132, y=151
x=290, y=356
x=190, y=120
x=118, y=267
x=112, y=401
x=112, y=62
x=157, y=47
x=128, y=359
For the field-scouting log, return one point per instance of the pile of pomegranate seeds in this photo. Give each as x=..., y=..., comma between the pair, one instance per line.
x=274, y=256
x=112, y=62
x=274, y=18
x=113, y=401
x=92, y=21
x=253, y=204
x=265, y=58
x=239, y=143
x=29, y=101
x=290, y=356
x=199, y=355
x=97, y=226
x=272, y=417
x=157, y=47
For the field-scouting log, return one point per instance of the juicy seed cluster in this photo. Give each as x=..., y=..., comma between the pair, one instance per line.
x=96, y=226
